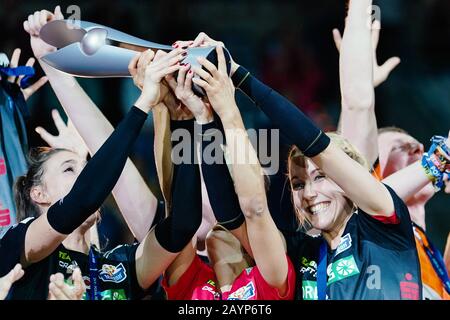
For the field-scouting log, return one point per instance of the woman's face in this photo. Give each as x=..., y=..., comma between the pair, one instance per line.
x=60, y=172
x=317, y=198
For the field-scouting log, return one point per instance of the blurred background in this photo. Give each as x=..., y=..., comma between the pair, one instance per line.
x=287, y=44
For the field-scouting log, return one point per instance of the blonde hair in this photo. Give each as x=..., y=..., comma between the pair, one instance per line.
x=297, y=157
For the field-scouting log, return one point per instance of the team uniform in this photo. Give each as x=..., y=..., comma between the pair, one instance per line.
x=376, y=259
x=116, y=274
x=433, y=285
x=199, y=283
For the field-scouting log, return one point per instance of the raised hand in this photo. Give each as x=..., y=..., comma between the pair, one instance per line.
x=67, y=138
x=182, y=87
x=218, y=86
x=33, y=26
x=154, y=67
x=203, y=40
x=380, y=73
x=6, y=282
x=59, y=290
x=28, y=92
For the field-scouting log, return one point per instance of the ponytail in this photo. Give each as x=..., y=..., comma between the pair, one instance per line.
x=37, y=158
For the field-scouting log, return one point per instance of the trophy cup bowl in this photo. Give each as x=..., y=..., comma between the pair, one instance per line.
x=90, y=50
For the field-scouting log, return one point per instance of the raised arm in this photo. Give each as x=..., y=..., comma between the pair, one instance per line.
x=89, y=191
x=247, y=174
x=356, y=77
x=134, y=198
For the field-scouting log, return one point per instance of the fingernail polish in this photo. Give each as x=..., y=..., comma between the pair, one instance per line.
x=184, y=54
x=175, y=46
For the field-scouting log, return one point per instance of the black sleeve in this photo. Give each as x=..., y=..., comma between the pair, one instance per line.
x=295, y=125
x=12, y=245
x=395, y=231
x=185, y=216
x=219, y=184
x=99, y=177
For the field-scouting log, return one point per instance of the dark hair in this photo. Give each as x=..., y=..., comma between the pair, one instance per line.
x=37, y=158
x=392, y=129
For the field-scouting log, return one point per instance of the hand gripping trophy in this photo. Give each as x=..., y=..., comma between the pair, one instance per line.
x=90, y=50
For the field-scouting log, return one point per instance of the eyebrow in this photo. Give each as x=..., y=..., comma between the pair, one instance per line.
x=68, y=161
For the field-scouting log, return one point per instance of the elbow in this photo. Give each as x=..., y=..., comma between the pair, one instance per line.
x=254, y=207
x=358, y=98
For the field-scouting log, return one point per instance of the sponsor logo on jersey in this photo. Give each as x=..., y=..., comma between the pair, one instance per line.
x=346, y=243
x=69, y=266
x=309, y=290
x=212, y=290
x=64, y=256
x=409, y=289
x=244, y=293
x=341, y=269
x=110, y=273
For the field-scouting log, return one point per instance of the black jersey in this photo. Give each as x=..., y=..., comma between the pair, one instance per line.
x=116, y=269
x=376, y=260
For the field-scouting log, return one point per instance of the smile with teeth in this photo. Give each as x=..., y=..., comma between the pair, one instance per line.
x=317, y=208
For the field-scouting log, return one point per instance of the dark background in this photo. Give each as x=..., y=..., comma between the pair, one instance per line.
x=289, y=45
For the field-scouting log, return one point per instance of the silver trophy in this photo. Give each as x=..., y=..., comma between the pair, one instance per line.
x=90, y=50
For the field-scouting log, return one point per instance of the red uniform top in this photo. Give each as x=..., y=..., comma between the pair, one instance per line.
x=199, y=283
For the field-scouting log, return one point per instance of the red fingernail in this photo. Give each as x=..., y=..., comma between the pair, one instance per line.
x=175, y=46
x=184, y=54
x=190, y=71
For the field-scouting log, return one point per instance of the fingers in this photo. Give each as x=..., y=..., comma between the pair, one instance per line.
x=182, y=75
x=201, y=83
x=188, y=80
x=26, y=26
x=59, y=122
x=29, y=63
x=337, y=37
x=132, y=66
x=32, y=26
x=14, y=62
x=200, y=39
x=56, y=293
x=47, y=137
x=17, y=272
x=79, y=286
x=34, y=87
x=221, y=63
x=202, y=74
x=36, y=21
x=182, y=44
x=376, y=26
x=58, y=14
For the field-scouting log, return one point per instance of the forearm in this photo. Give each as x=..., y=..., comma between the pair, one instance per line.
x=218, y=181
x=246, y=171
x=356, y=78
x=133, y=197
x=408, y=181
x=248, y=178
x=292, y=122
x=356, y=182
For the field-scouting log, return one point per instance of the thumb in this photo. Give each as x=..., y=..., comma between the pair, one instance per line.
x=337, y=39
x=390, y=65
x=58, y=13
